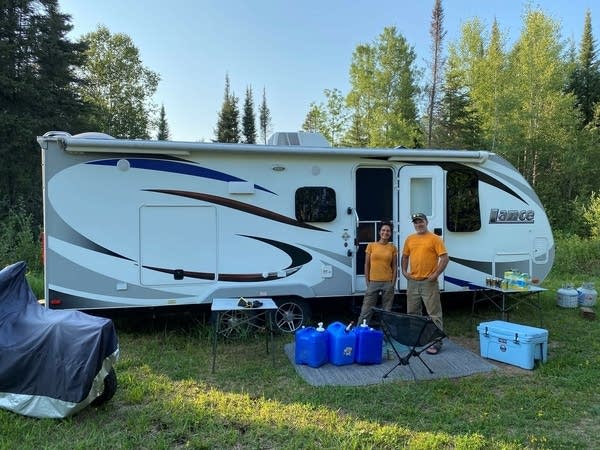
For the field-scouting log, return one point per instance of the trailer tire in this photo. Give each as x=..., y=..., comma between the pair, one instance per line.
x=291, y=314
x=235, y=324
x=110, y=387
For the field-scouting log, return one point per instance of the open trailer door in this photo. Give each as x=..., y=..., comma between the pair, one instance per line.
x=420, y=189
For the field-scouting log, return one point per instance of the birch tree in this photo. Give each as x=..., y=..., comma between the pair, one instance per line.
x=384, y=91
x=118, y=85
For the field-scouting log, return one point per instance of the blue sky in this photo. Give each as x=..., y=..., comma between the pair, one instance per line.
x=293, y=49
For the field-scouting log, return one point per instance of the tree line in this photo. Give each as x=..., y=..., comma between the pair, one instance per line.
x=228, y=124
x=48, y=82
x=536, y=103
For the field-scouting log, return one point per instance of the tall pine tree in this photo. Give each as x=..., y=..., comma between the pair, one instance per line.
x=249, y=119
x=458, y=122
x=585, y=80
x=437, y=33
x=264, y=118
x=163, y=126
x=37, y=76
x=228, y=129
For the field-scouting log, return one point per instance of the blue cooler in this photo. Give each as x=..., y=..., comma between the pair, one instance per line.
x=341, y=344
x=311, y=346
x=369, y=345
x=519, y=345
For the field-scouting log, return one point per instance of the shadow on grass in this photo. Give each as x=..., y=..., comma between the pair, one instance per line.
x=173, y=352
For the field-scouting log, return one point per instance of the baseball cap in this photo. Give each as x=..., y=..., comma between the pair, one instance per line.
x=418, y=216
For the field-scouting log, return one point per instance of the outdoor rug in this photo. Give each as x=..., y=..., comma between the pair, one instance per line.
x=453, y=361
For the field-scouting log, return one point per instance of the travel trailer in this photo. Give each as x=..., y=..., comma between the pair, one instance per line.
x=132, y=223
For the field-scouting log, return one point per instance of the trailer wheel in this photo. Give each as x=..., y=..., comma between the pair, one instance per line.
x=291, y=315
x=110, y=387
x=235, y=324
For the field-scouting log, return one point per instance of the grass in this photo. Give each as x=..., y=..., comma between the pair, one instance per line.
x=168, y=397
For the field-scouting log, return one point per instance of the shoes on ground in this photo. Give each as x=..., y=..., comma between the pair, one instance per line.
x=434, y=349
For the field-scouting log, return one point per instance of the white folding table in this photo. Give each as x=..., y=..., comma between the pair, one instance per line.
x=250, y=318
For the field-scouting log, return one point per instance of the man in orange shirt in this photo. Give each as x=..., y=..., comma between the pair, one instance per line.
x=428, y=258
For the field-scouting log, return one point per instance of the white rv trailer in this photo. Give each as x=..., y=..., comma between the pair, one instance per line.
x=132, y=223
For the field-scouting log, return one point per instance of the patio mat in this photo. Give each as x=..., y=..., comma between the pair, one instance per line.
x=453, y=361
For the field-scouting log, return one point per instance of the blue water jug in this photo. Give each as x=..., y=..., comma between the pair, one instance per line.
x=342, y=341
x=311, y=346
x=369, y=345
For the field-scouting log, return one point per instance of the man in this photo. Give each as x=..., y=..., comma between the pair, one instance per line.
x=428, y=258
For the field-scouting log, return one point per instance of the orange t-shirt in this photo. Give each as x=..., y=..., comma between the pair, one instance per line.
x=381, y=260
x=423, y=251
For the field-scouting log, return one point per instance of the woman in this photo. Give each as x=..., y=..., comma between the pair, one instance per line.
x=381, y=272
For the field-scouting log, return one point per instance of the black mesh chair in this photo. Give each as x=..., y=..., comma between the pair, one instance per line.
x=417, y=333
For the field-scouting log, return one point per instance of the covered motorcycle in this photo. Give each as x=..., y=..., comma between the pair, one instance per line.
x=53, y=363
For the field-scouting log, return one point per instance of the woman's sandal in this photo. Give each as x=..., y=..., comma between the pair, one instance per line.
x=434, y=349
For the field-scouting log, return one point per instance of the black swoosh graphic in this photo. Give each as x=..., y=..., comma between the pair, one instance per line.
x=299, y=259
x=240, y=206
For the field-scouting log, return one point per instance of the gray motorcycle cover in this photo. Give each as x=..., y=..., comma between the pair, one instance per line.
x=52, y=362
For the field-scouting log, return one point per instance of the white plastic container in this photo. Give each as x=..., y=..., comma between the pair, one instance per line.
x=567, y=296
x=587, y=295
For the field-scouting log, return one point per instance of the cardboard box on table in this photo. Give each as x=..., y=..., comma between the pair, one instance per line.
x=519, y=345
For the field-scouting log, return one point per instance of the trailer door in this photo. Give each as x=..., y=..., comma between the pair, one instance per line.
x=420, y=189
x=374, y=203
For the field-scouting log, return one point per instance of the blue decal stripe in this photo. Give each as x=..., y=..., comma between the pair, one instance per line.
x=459, y=282
x=162, y=165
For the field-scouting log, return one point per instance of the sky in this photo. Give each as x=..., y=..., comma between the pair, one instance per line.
x=294, y=50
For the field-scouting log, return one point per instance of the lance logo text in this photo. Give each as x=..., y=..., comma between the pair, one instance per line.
x=512, y=216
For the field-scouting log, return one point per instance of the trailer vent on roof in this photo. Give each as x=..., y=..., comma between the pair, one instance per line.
x=288, y=139
x=93, y=135
x=302, y=138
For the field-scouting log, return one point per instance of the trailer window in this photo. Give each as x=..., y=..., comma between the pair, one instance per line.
x=315, y=204
x=462, y=199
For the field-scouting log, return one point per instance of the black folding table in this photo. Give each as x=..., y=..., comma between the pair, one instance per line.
x=505, y=300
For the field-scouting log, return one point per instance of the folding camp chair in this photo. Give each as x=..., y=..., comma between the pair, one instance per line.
x=418, y=333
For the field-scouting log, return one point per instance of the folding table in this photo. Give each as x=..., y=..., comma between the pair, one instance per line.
x=505, y=300
x=251, y=318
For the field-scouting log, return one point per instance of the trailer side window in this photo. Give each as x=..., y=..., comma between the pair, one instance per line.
x=462, y=199
x=315, y=204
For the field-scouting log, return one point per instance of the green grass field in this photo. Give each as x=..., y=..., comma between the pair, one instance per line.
x=169, y=399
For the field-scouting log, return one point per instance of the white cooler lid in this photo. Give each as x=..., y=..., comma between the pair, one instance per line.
x=509, y=329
